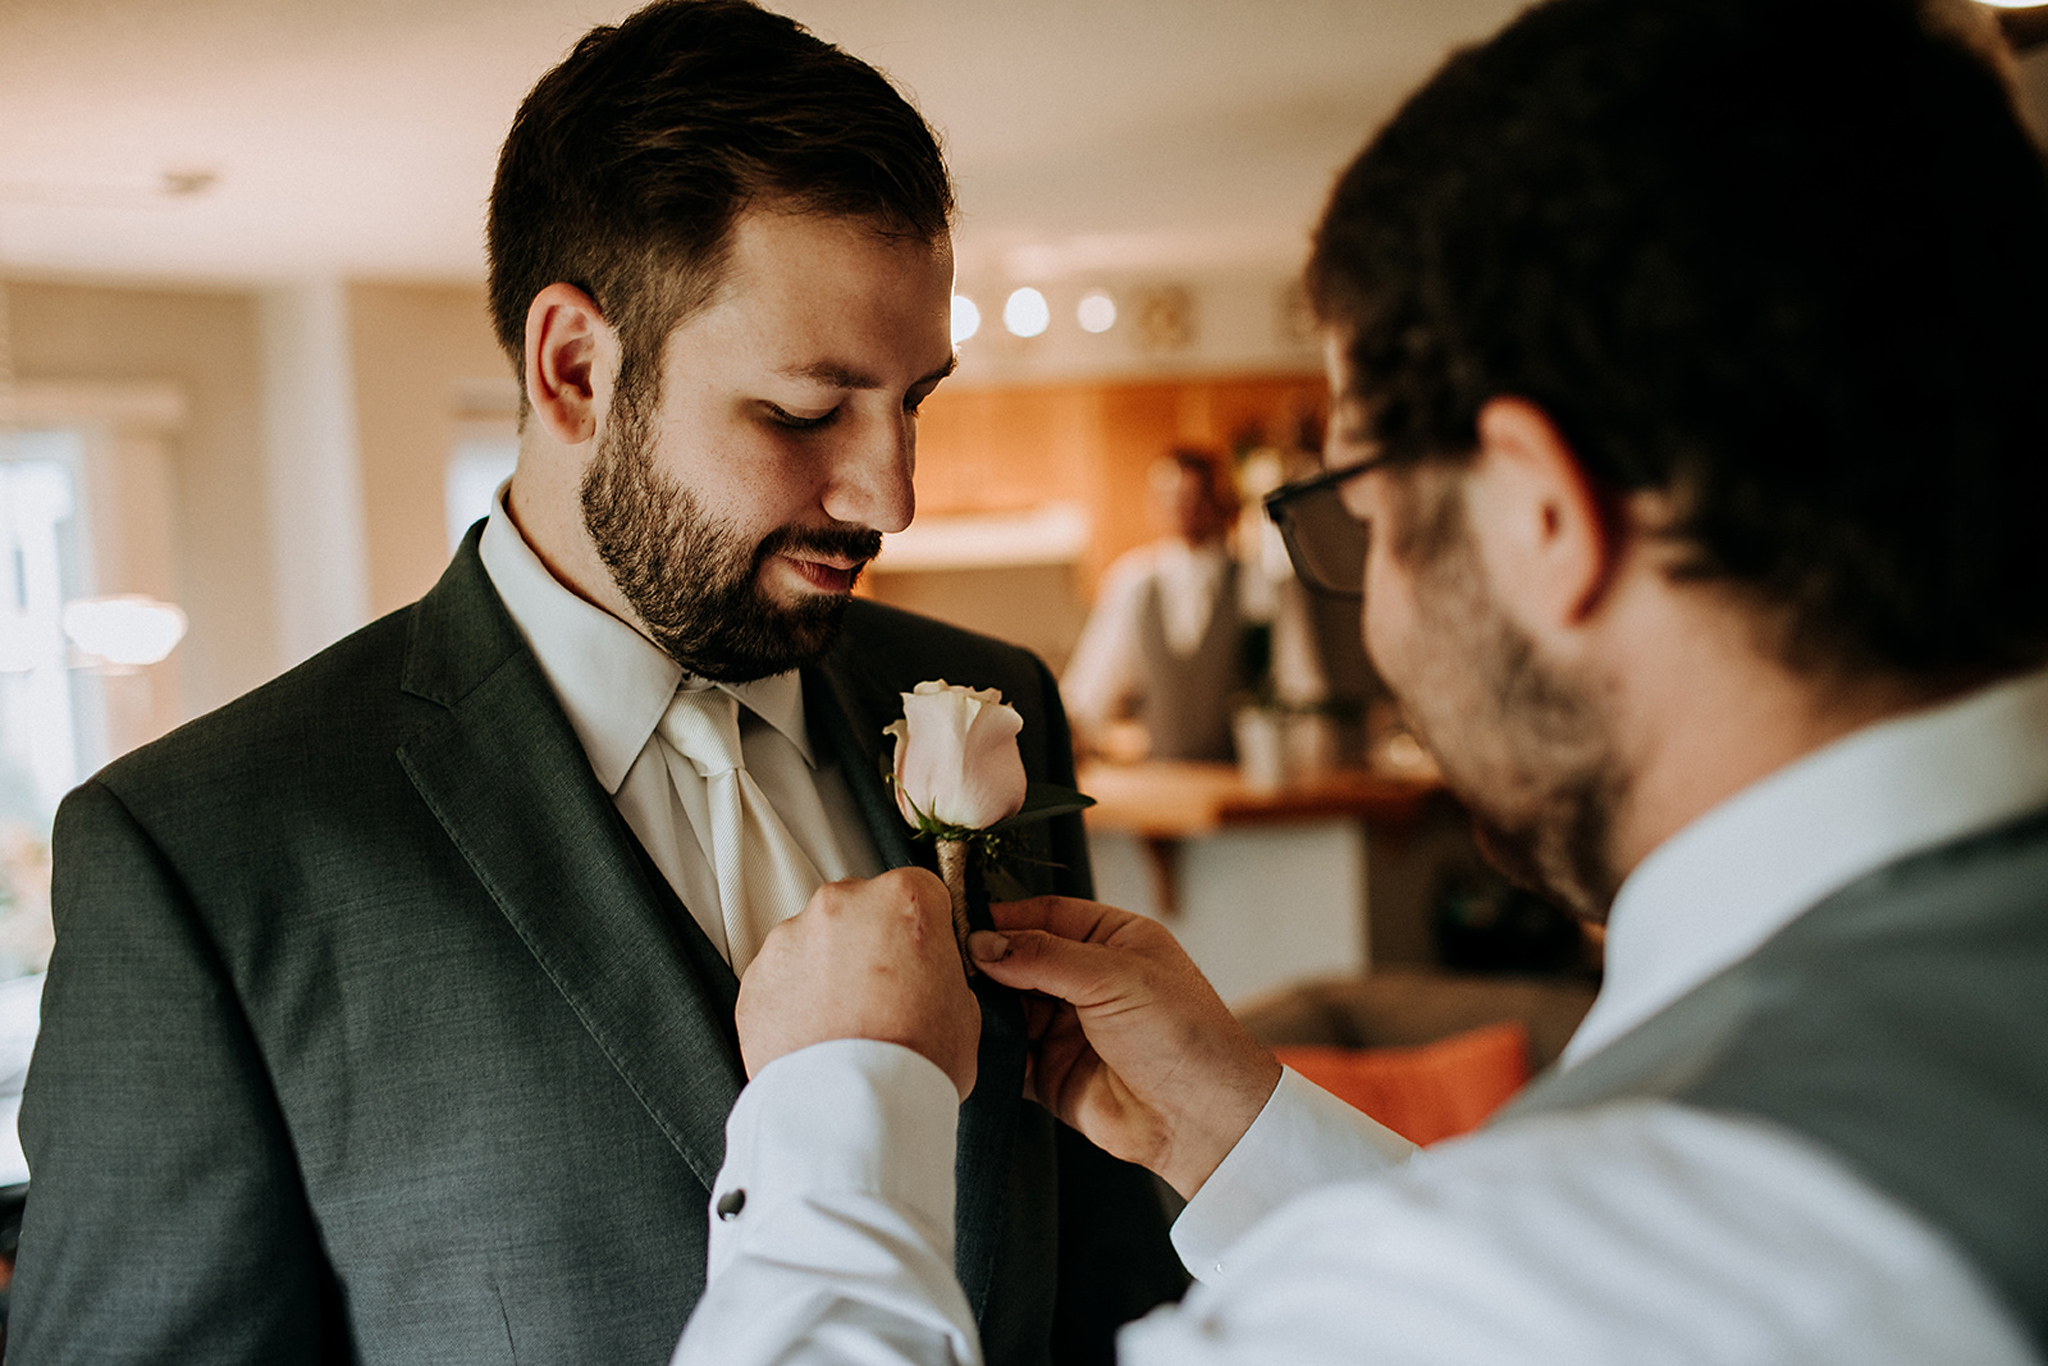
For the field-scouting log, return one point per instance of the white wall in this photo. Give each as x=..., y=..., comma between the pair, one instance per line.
x=318, y=548
x=1260, y=906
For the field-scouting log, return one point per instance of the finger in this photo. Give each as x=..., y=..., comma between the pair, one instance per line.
x=1067, y=917
x=967, y=1074
x=1039, y=1014
x=1066, y=1070
x=1078, y=973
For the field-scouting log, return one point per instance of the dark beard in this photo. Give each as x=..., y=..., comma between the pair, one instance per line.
x=1536, y=769
x=694, y=580
x=1557, y=842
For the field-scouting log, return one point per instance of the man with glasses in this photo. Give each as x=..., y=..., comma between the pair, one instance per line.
x=1689, y=446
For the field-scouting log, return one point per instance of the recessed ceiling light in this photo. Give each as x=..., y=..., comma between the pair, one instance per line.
x=1026, y=313
x=966, y=318
x=1096, y=312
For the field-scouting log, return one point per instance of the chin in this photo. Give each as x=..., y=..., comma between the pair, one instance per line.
x=773, y=637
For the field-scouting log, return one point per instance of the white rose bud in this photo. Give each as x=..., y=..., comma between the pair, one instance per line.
x=956, y=756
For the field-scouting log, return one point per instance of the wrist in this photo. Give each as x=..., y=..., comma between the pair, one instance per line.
x=1211, y=1131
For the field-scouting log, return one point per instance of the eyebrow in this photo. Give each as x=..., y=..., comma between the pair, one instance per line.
x=845, y=377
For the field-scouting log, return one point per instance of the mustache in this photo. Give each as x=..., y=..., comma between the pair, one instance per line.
x=849, y=542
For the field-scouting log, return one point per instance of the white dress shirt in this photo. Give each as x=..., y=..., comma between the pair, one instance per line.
x=614, y=684
x=1636, y=1231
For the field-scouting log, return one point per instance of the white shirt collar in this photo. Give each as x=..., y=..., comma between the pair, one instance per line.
x=1721, y=886
x=613, y=683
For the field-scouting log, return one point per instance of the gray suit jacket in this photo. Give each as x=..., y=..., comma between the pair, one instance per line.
x=371, y=1034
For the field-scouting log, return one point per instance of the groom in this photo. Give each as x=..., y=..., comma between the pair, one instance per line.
x=391, y=1016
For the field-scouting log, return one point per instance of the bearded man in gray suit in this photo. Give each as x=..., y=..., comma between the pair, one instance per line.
x=391, y=1015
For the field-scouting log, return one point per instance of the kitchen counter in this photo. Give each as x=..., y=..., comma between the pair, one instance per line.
x=1173, y=800
x=1265, y=887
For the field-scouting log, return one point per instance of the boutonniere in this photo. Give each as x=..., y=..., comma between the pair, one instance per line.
x=960, y=783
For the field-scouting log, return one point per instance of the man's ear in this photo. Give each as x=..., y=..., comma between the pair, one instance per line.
x=569, y=348
x=1544, y=531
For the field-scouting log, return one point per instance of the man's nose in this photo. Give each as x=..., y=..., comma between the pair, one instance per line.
x=871, y=475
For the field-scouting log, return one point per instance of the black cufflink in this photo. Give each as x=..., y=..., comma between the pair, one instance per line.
x=730, y=1204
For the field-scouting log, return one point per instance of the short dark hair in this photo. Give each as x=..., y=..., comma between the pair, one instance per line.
x=629, y=162
x=1786, y=259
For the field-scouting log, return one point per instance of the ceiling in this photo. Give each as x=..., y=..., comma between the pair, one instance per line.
x=254, y=140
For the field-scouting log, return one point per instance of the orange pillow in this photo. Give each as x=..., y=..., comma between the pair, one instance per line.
x=1429, y=1092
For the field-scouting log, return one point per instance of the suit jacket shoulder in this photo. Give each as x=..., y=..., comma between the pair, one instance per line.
x=371, y=949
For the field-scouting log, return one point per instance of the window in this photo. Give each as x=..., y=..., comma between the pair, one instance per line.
x=482, y=460
x=52, y=727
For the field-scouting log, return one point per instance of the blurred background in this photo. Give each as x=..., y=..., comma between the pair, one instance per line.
x=249, y=399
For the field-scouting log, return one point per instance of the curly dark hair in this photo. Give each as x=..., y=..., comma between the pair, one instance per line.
x=628, y=164
x=1785, y=259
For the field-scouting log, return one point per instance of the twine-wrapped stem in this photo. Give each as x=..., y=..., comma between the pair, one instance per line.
x=953, y=860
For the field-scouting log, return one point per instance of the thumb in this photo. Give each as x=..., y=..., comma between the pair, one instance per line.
x=1033, y=960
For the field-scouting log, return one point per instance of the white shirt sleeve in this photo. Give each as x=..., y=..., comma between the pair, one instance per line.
x=1303, y=1138
x=1630, y=1233
x=1104, y=672
x=1633, y=1232
x=832, y=1218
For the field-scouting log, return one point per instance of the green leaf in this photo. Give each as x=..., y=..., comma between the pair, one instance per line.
x=1042, y=802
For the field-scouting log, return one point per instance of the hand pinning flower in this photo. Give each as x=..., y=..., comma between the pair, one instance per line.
x=959, y=779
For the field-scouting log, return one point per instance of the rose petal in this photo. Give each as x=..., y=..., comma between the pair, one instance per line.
x=900, y=732
x=956, y=756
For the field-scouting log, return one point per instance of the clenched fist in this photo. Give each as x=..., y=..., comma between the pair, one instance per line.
x=865, y=960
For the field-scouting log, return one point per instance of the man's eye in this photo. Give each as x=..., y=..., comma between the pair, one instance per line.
x=782, y=417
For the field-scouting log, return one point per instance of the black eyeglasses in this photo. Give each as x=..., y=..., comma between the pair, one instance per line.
x=1325, y=542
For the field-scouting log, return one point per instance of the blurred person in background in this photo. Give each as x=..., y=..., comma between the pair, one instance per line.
x=1185, y=631
x=1688, y=453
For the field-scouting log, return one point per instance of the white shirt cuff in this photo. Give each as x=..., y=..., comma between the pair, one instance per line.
x=850, y=1116
x=1303, y=1138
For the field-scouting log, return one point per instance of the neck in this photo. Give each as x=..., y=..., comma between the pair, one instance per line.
x=545, y=503
x=1704, y=711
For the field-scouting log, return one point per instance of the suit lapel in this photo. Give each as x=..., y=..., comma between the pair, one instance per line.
x=503, y=772
x=847, y=707
x=846, y=710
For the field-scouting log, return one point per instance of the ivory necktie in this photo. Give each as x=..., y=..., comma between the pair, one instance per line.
x=764, y=876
